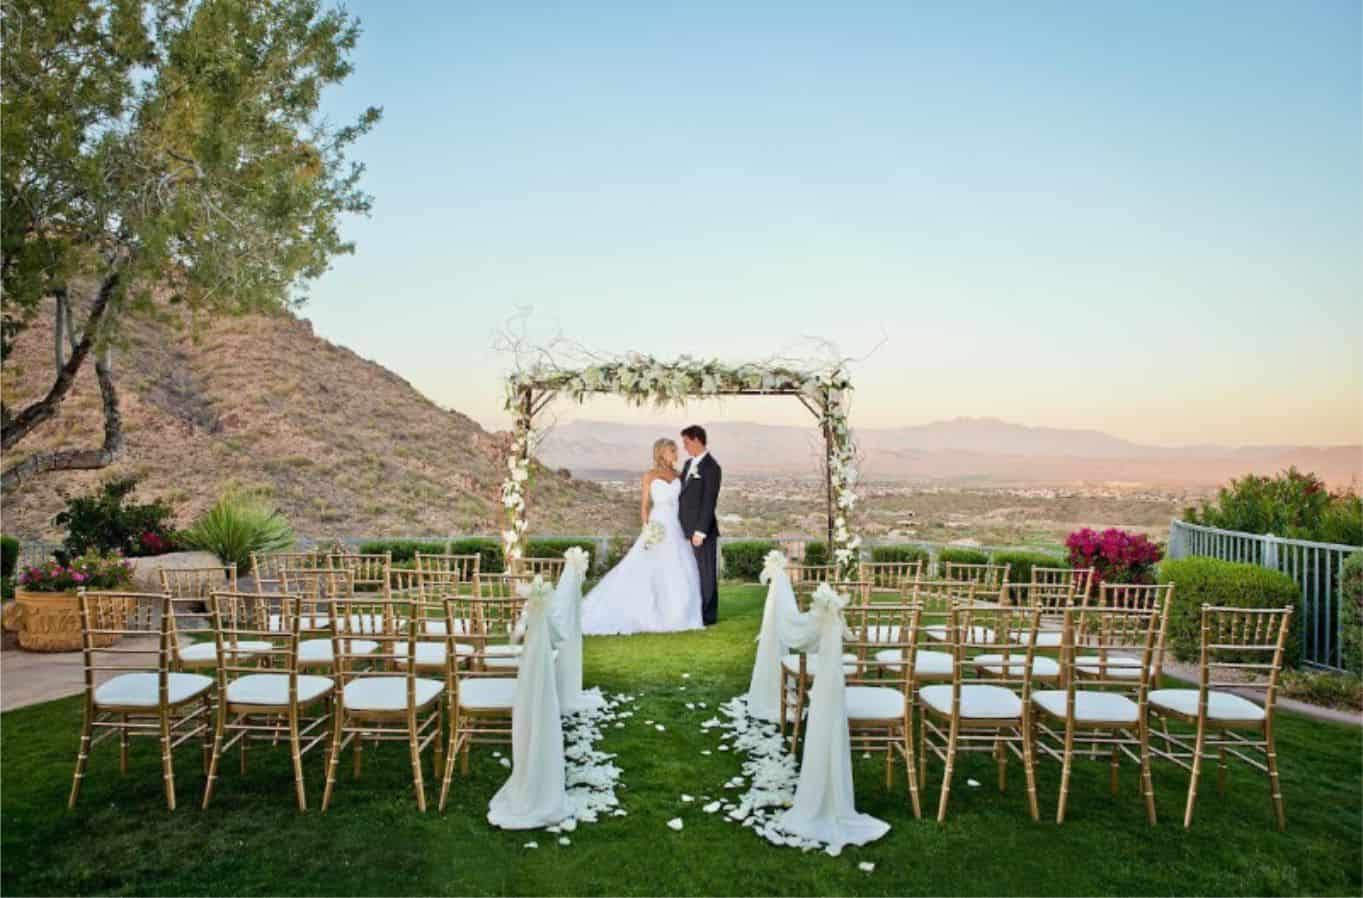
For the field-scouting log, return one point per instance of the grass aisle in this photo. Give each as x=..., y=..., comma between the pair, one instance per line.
x=122, y=841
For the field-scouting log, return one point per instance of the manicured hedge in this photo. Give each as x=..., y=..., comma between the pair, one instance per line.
x=743, y=559
x=1351, y=614
x=902, y=553
x=9, y=556
x=1210, y=581
x=403, y=550
x=1022, y=563
x=959, y=555
x=816, y=553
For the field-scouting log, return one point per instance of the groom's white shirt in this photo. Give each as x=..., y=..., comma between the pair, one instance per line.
x=694, y=471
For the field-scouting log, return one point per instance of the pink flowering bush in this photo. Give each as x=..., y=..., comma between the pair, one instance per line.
x=92, y=570
x=1116, y=556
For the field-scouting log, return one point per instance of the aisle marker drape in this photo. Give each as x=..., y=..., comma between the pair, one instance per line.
x=566, y=615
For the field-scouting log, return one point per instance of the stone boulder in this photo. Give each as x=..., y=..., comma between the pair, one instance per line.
x=147, y=571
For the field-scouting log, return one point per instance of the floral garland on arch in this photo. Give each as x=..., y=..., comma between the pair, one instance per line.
x=642, y=379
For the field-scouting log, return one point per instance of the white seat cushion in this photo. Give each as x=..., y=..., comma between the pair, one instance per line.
x=318, y=651
x=993, y=664
x=1220, y=705
x=366, y=623
x=387, y=693
x=1118, y=667
x=977, y=634
x=142, y=690
x=208, y=651
x=1045, y=639
x=874, y=703
x=882, y=633
x=1100, y=707
x=981, y=702
x=429, y=653
x=437, y=627
x=487, y=693
x=926, y=663
x=791, y=663
x=305, y=622
x=273, y=689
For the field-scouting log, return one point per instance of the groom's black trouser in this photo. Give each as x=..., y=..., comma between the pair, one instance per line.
x=707, y=560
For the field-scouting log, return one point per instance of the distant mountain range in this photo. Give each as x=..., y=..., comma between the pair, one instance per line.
x=958, y=451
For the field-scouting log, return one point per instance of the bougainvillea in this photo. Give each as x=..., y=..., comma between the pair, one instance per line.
x=1116, y=556
x=90, y=571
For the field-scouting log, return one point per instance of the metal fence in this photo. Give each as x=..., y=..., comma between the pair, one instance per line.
x=1316, y=567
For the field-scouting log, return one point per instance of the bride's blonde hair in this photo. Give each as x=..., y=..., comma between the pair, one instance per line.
x=660, y=448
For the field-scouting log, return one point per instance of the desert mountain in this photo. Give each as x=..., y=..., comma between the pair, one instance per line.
x=346, y=447
x=979, y=451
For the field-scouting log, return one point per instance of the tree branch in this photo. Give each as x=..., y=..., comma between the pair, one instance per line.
x=19, y=426
x=78, y=459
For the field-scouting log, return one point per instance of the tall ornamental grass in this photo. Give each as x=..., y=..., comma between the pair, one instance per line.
x=239, y=524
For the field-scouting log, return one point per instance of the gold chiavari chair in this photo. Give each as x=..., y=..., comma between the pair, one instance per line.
x=371, y=573
x=485, y=691
x=1106, y=706
x=938, y=598
x=500, y=618
x=890, y=575
x=988, y=578
x=797, y=668
x=1052, y=600
x=810, y=574
x=390, y=699
x=199, y=582
x=934, y=602
x=267, y=567
x=991, y=713
x=256, y=703
x=130, y=688
x=1058, y=578
x=194, y=616
x=1240, y=647
x=438, y=570
x=1137, y=597
x=548, y=568
x=321, y=591
x=880, y=707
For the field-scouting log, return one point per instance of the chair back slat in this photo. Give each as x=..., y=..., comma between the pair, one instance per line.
x=1008, y=632
x=368, y=573
x=811, y=573
x=548, y=568
x=876, y=628
x=1081, y=578
x=124, y=632
x=198, y=582
x=987, y=576
x=890, y=574
x=267, y=567
x=1243, y=647
x=1110, y=647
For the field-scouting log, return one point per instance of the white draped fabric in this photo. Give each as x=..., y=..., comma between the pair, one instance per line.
x=825, y=801
x=764, y=689
x=566, y=614
x=535, y=795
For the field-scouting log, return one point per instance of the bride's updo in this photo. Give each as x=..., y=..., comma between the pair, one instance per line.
x=660, y=448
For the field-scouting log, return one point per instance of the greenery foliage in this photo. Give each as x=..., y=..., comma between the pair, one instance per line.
x=1351, y=614
x=1292, y=504
x=404, y=550
x=816, y=553
x=902, y=553
x=1210, y=581
x=108, y=521
x=743, y=558
x=961, y=555
x=1021, y=563
x=1325, y=688
x=93, y=570
x=239, y=524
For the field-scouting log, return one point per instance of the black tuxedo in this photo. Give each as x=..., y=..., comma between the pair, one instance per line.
x=696, y=510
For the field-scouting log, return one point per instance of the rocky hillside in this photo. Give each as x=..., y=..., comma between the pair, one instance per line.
x=346, y=447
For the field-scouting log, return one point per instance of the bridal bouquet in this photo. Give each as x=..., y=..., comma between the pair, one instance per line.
x=653, y=534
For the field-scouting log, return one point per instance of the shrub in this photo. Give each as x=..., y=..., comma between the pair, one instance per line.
x=492, y=560
x=1325, y=688
x=816, y=553
x=239, y=524
x=550, y=547
x=1021, y=563
x=1116, y=556
x=1351, y=614
x=960, y=555
x=93, y=570
x=1210, y=581
x=106, y=521
x=1291, y=504
x=902, y=553
x=743, y=558
x=9, y=556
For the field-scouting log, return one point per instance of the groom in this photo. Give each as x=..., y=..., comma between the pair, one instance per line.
x=699, y=495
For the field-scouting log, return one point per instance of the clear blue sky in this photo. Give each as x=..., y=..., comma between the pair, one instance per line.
x=1146, y=218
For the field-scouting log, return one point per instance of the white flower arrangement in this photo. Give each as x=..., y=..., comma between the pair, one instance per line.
x=578, y=561
x=653, y=534
x=772, y=565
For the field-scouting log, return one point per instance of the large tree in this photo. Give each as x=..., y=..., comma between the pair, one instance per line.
x=160, y=154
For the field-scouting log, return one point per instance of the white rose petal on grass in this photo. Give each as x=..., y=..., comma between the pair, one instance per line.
x=531, y=845
x=687, y=798
x=675, y=824
x=706, y=752
x=866, y=867
x=564, y=840
x=690, y=706
x=569, y=825
x=686, y=676
x=974, y=784
x=505, y=762
x=711, y=807
x=659, y=727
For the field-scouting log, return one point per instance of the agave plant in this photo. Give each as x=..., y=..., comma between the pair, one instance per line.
x=240, y=523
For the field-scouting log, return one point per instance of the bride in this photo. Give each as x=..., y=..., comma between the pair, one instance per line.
x=656, y=586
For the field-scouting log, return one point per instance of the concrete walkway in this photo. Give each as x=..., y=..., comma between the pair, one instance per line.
x=31, y=678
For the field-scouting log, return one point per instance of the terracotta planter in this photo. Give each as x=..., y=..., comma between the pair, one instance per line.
x=50, y=622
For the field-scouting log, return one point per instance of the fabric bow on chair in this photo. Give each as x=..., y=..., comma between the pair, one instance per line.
x=566, y=619
x=764, y=689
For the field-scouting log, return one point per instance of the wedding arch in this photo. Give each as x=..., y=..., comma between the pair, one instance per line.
x=641, y=379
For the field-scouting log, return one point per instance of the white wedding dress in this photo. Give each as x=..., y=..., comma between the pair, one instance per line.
x=654, y=589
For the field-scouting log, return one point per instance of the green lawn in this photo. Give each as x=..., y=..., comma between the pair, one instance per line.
x=121, y=840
